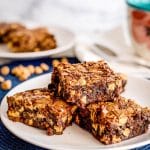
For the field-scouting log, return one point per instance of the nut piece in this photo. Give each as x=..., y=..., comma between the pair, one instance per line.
x=44, y=66
x=116, y=139
x=123, y=120
x=126, y=132
x=1, y=79
x=38, y=70
x=30, y=122
x=82, y=82
x=111, y=86
x=31, y=68
x=83, y=99
x=5, y=70
x=58, y=129
x=6, y=85
x=55, y=63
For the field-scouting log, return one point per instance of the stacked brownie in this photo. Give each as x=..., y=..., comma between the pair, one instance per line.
x=95, y=88
x=88, y=82
x=38, y=108
x=113, y=122
x=87, y=94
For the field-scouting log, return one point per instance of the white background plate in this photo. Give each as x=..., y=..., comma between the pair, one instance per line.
x=64, y=38
x=75, y=137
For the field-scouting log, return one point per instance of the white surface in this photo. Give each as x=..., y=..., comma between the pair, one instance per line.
x=78, y=15
x=64, y=38
x=75, y=137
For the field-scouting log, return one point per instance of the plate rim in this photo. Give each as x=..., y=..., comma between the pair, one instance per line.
x=62, y=147
x=30, y=55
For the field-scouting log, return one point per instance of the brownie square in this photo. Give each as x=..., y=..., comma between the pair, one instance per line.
x=38, y=108
x=84, y=83
x=113, y=122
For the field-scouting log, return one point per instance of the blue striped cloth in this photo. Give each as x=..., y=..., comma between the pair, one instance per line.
x=7, y=140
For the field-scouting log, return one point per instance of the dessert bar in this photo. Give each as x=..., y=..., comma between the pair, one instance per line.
x=38, y=108
x=113, y=122
x=84, y=83
x=45, y=40
x=7, y=28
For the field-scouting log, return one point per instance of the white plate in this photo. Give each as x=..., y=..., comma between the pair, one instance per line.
x=75, y=137
x=64, y=37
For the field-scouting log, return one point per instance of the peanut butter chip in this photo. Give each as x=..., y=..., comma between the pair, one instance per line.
x=31, y=68
x=23, y=77
x=6, y=85
x=5, y=70
x=55, y=62
x=38, y=70
x=44, y=67
x=22, y=72
x=64, y=60
x=1, y=79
